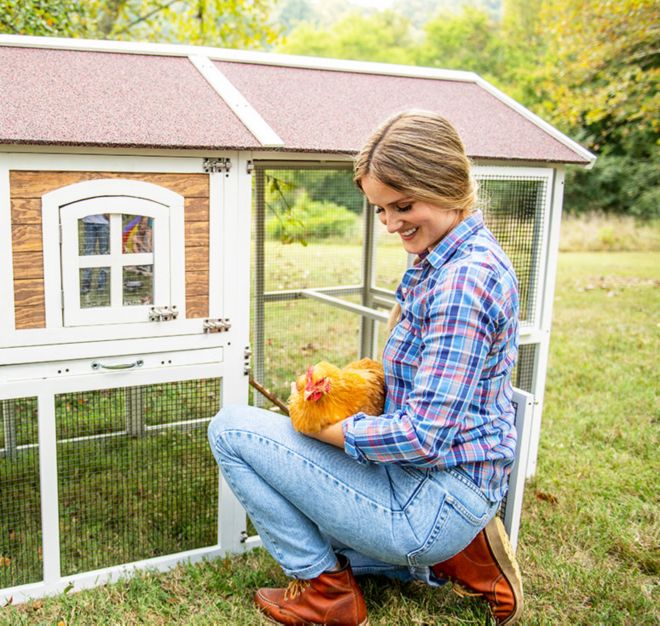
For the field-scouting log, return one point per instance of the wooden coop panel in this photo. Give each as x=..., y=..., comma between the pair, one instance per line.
x=27, y=188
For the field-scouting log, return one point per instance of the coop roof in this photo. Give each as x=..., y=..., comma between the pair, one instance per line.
x=71, y=92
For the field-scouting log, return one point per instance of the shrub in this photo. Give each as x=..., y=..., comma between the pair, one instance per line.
x=310, y=219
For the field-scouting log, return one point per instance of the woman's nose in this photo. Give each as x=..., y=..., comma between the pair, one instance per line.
x=392, y=223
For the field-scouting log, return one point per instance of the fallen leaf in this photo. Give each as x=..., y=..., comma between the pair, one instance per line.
x=546, y=497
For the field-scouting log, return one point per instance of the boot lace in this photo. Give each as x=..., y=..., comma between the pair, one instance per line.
x=295, y=588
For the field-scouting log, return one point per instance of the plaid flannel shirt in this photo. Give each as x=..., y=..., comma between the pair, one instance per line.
x=448, y=365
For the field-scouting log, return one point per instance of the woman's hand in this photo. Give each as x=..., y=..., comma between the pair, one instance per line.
x=332, y=434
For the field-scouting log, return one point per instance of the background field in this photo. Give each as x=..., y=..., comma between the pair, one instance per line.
x=589, y=538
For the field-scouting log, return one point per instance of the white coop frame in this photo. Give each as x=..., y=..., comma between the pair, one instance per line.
x=125, y=353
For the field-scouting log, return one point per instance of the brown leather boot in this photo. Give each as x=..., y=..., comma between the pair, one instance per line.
x=331, y=598
x=488, y=568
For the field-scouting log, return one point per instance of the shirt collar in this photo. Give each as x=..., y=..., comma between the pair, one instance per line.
x=456, y=237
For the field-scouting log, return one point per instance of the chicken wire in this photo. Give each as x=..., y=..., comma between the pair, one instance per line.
x=514, y=210
x=135, y=477
x=525, y=368
x=309, y=232
x=20, y=501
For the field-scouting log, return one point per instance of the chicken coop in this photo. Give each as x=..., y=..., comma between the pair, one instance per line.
x=175, y=221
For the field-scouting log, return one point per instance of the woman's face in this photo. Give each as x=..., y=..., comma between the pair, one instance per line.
x=419, y=224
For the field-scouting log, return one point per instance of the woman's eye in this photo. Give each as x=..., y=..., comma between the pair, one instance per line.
x=378, y=209
x=404, y=208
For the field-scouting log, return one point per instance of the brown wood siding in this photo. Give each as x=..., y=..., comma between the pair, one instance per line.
x=26, y=189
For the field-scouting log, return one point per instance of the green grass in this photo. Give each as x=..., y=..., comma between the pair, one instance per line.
x=589, y=537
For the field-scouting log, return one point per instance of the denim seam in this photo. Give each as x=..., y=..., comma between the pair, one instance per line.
x=438, y=525
x=468, y=483
x=279, y=554
x=317, y=467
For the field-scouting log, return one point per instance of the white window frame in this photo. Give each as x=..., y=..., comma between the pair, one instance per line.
x=114, y=260
x=89, y=197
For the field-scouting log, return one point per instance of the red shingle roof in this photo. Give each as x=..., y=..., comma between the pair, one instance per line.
x=99, y=98
x=75, y=98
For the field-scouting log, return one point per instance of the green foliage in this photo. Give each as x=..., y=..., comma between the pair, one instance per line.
x=333, y=185
x=600, y=84
x=468, y=41
x=66, y=18
x=228, y=23
x=310, y=219
x=601, y=72
x=384, y=36
x=616, y=184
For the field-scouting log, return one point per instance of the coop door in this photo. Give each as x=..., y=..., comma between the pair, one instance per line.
x=115, y=260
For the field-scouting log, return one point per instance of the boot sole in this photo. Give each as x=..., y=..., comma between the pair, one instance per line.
x=272, y=621
x=498, y=542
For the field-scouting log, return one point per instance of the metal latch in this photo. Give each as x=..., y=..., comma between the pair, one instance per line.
x=219, y=325
x=163, y=313
x=213, y=165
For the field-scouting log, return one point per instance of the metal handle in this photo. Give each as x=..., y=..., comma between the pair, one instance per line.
x=96, y=365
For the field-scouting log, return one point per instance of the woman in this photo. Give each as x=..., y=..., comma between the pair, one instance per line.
x=411, y=493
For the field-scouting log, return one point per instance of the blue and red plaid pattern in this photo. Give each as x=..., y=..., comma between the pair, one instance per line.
x=448, y=365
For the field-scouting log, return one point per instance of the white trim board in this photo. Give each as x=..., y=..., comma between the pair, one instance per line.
x=235, y=100
x=266, y=58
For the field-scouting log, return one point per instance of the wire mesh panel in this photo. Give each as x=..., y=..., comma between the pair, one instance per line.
x=135, y=476
x=20, y=501
x=523, y=373
x=308, y=233
x=515, y=213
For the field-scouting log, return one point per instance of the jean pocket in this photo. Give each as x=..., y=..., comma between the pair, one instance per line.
x=416, y=556
x=455, y=525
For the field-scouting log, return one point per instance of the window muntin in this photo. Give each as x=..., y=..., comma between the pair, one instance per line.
x=115, y=259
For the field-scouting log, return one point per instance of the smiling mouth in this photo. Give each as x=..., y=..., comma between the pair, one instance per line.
x=406, y=234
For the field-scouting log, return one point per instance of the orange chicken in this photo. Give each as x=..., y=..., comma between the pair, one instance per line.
x=327, y=394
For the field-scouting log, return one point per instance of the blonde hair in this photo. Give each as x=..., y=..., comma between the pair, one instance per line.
x=420, y=153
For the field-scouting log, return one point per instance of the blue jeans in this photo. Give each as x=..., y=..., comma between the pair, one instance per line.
x=309, y=500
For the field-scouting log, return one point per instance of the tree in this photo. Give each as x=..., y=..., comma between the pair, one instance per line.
x=382, y=36
x=228, y=23
x=43, y=17
x=600, y=84
x=467, y=41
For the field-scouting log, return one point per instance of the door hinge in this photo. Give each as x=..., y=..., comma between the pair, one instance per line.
x=163, y=313
x=247, y=355
x=213, y=165
x=218, y=325
x=249, y=166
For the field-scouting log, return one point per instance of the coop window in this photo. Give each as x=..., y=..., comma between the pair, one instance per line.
x=119, y=253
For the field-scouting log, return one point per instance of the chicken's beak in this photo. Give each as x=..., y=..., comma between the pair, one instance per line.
x=308, y=393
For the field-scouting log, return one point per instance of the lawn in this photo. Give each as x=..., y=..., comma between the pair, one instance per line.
x=589, y=537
